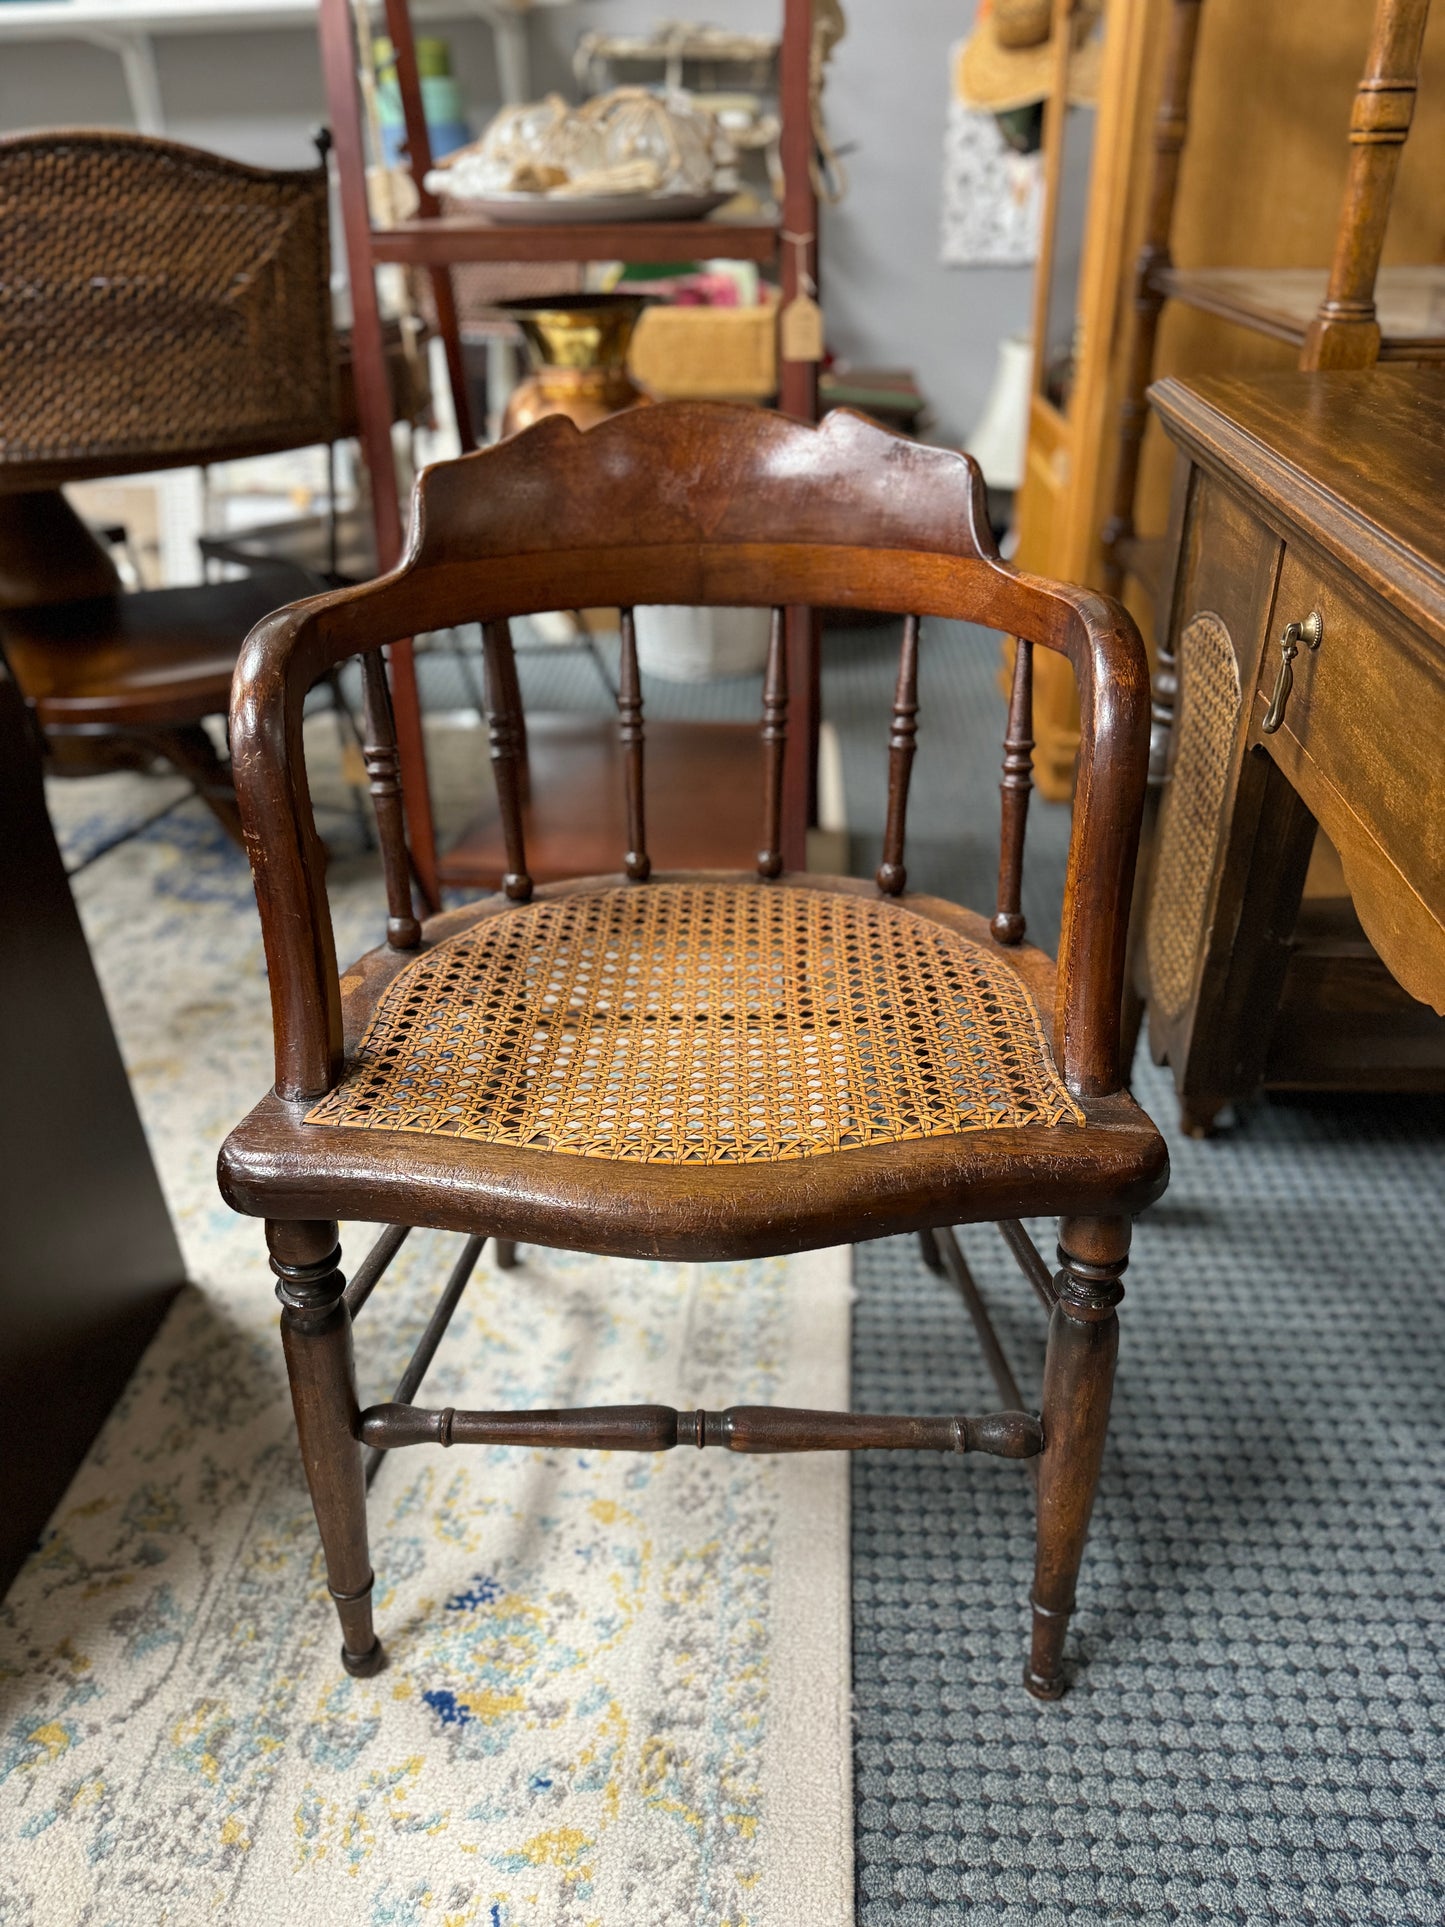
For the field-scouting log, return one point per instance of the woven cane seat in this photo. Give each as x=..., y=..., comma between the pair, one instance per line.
x=703, y=1022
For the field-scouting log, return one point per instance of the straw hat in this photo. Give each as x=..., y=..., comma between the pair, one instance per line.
x=1008, y=59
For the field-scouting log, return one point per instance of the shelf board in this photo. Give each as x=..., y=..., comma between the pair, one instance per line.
x=79, y=19
x=704, y=802
x=452, y=239
x=1282, y=302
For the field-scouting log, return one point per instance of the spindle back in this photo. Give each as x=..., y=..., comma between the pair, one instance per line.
x=695, y=503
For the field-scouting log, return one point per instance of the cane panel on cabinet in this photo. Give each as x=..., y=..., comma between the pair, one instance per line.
x=1305, y=496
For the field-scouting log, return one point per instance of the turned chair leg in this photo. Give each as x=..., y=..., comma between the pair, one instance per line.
x=1078, y=1381
x=316, y=1335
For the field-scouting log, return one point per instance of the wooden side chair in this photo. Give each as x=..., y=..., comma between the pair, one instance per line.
x=697, y=1066
x=159, y=307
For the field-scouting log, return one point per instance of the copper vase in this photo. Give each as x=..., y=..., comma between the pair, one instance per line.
x=577, y=346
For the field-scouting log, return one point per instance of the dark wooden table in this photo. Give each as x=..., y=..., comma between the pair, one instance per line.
x=1307, y=532
x=88, y=1258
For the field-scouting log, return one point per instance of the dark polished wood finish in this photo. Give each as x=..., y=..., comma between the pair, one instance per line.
x=1018, y=777
x=1078, y=1386
x=316, y=1336
x=631, y=736
x=741, y=1428
x=89, y=1262
x=1298, y=495
x=693, y=504
x=507, y=735
x=775, y=745
x=450, y=240
x=383, y=770
x=902, y=742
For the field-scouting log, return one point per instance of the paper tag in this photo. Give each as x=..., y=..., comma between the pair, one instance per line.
x=800, y=330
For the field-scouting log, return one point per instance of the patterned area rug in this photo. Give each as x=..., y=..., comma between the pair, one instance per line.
x=618, y=1684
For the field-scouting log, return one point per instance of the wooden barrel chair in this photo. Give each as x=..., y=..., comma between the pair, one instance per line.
x=159, y=307
x=696, y=1066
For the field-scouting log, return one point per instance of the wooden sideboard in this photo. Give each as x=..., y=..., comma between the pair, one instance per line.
x=1308, y=574
x=1259, y=191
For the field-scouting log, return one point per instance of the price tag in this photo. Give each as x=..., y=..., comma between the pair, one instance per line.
x=800, y=330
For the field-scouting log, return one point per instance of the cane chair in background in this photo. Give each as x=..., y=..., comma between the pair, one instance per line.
x=159, y=307
x=709, y=1066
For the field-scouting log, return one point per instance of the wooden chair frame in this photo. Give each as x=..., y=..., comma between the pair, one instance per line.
x=695, y=503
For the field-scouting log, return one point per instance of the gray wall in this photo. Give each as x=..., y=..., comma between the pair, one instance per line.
x=888, y=301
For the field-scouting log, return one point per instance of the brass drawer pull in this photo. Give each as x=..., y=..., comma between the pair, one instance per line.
x=1311, y=632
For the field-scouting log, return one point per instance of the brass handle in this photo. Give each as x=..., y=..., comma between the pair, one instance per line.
x=1310, y=632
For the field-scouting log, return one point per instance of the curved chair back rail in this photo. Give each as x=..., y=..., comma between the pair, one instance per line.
x=693, y=503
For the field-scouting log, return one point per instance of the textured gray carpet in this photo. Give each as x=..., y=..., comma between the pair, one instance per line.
x=1255, y=1734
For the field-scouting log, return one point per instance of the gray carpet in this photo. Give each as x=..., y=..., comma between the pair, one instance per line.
x=1255, y=1730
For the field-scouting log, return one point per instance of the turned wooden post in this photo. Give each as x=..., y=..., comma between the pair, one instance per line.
x=902, y=741
x=637, y=863
x=316, y=1336
x=1078, y=1384
x=1018, y=776
x=383, y=770
x=1170, y=127
x=508, y=747
x=1346, y=332
x=775, y=746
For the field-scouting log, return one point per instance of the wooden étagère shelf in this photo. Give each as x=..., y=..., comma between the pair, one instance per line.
x=701, y=780
x=451, y=239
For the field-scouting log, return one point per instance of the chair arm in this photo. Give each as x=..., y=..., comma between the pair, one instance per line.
x=280, y=660
x=1111, y=670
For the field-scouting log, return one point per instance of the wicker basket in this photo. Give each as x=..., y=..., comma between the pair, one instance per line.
x=707, y=354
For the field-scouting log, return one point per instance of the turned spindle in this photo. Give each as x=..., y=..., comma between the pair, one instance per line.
x=383, y=772
x=902, y=738
x=636, y=862
x=508, y=746
x=1018, y=776
x=775, y=747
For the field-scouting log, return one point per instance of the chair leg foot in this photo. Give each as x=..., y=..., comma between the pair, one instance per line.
x=507, y=1259
x=928, y=1251
x=365, y=1665
x=1078, y=1384
x=316, y=1336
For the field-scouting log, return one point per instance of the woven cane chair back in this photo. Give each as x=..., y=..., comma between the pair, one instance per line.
x=158, y=306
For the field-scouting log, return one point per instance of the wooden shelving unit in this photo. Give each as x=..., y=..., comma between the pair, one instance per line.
x=702, y=778
x=1284, y=302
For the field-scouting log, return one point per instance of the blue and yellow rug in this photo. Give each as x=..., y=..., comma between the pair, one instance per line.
x=618, y=1685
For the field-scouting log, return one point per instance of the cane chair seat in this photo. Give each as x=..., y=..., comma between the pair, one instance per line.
x=708, y=1022
x=557, y=1070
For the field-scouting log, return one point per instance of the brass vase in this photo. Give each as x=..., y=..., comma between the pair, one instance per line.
x=577, y=347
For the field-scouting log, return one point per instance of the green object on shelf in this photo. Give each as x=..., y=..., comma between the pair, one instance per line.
x=433, y=57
